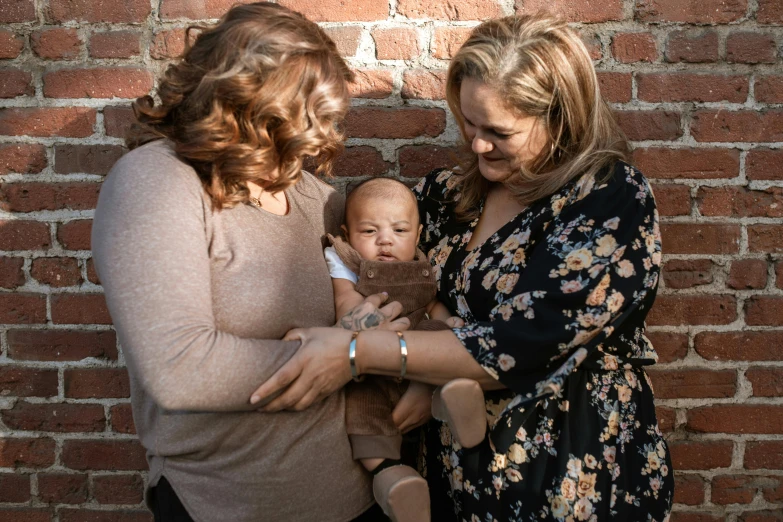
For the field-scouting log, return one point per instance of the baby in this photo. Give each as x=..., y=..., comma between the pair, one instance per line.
x=379, y=253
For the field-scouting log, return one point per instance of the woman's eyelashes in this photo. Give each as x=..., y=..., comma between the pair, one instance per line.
x=496, y=133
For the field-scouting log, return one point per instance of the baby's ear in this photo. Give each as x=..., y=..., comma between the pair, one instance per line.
x=344, y=230
x=418, y=234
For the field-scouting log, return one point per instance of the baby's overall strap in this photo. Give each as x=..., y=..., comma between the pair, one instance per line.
x=349, y=256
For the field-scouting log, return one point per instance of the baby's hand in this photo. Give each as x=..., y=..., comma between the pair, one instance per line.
x=455, y=322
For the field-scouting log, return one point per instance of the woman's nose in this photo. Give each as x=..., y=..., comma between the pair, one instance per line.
x=481, y=146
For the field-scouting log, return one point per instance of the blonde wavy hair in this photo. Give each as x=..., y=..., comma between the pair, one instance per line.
x=261, y=90
x=542, y=68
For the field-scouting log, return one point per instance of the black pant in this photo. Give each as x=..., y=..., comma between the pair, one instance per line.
x=166, y=506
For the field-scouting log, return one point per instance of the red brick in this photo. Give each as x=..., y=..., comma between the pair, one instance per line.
x=575, y=11
x=766, y=454
x=770, y=12
x=122, y=419
x=24, y=235
x=61, y=345
x=12, y=11
x=23, y=158
x=736, y=418
x=75, y=235
x=772, y=488
x=399, y=43
x=54, y=417
x=118, y=489
x=685, y=87
x=361, y=161
x=417, y=161
x=673, y=200
x=764, y=311
x=615, y=86
x=700, y=238
x=700, y=454
x=11, y=274
x=448, y=40
x=667, y=418
x=424, y=84
x=96, y=383
x=761, y=516
x=11, y=44
x=80, y=309
x=56, y=271
x=114, y=11
x=114, y=455
x=779, y=274
x=29, y=197
x=56, y=44
x=84, y=515
x=688, y=489
x=692, y=310
x=750, y=47
x=665, y=163
x=171, y=9
x=14, y=82
x=103, y=82
x=376, y=122
x=697, y=384
x=740, y=202
x=703, y=11
x=62, y=488
x=168, y=44
x=92, y=275
x=669, y=346
x=14, y=487
x=27, y=382
x=593, y=44
x=22, y=308
x=649, y=125
x=739, y=346
x=734, y=489
x=693, y=46
x=747, y=274
x=69, y=122
x=12, y=514
x=765, y=238
x=340, y=10
x=634, y=47
x=769, y=88
x=117, y=120
x=680, y=273
x=767, y=382
x=746, y=126
x=86, y=159
x=346, y=38
x=369, y=83
x=452, y=10
x=115, y=44
x=37, y=452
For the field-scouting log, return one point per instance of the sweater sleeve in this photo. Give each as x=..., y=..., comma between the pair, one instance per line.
x=150, y=248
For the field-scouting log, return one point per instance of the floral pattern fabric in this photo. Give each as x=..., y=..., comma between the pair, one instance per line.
x=554, y=305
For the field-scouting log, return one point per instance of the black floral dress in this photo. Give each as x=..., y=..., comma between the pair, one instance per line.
x=554, y=306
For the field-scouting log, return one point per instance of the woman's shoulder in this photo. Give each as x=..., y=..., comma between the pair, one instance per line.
x=438, y=182
x=614, y=184
x=319, y=198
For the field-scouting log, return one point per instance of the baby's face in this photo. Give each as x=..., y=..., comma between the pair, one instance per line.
x=383, y=229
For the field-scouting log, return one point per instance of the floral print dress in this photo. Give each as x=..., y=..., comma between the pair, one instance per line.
x=554, y=305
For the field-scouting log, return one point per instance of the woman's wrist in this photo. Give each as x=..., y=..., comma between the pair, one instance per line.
x=378, y=352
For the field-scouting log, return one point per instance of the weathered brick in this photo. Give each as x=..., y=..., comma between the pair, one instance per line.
x=750, y=47
x=168, y=44
x=764, y=310
x=372, y=83
x=22, y=308
x=739, y=201
x=693, y=46
x=69, y=122
x=13, y=11
x=92, y=274
x=100, y=82
x=615, y=86
x=54, y=417
x=688, y=489
x=376, y=122
x=340, y=10
x=700, y=238
x=116, y=455
x=667, y=418
x=118, y=489
x=703, y=11
x=14, y=487
x=692, y=310
x=669, y=346
x=24, y=235
x=765, y=238
x=593, y=44
x=745, y=126
x=61, y=345
x=747, y=274
x=447, y=41
x=770, y=12
x=56, y=271
x=11, y=45
x=649, y=125
x=14, y=82
x=24, y=158
x=75, y=235
x=687, y=455
x=80, y=309
x=418, y=160
x=117, y=120
x=739, y=346
x=362, y=160
x=736, y=418
x=769, y=88
x=424, y=84
x=56, y=44
x=680, y=273
x=766, y=382
x=88, y=515
x=122, y=419
x=761, y=516
x=11, y=274
x=399, y=43
x=575, y=11
x=115, y=44
x=733, y=489
x=62, y=488
x=685, y=87
x=634, y=47
x=346, y=38
x=96, y=383
x=27, y=382
x=30, y=452
x=86, y=159
x=673, y=200
x=692, y=383
x=452, y=10
x=30, y=197
x=114, y=11
x=665, y=163
x=765, y=454
x=13, y=514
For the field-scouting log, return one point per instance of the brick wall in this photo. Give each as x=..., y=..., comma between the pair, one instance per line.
x=697, y=85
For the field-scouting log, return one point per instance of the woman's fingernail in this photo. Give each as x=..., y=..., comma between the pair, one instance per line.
x=254, y=399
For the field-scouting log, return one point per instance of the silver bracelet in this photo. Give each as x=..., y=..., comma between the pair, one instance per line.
x=352, y=358
x=403, y=356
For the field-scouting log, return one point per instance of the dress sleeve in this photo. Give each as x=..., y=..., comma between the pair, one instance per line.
x=595, y=264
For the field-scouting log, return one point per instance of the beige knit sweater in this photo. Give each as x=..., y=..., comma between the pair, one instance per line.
x=199, y=299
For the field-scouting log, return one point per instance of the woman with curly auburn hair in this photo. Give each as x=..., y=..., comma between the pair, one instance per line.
x=546, y=243
x=207, y=240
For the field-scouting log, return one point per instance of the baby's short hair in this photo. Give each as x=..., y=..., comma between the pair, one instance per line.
x=381, y=188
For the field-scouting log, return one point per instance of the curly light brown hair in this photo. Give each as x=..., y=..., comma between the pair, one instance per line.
x=250, y=98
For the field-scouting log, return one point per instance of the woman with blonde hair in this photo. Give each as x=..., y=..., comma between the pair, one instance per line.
x=207, y=240
x=546, y=243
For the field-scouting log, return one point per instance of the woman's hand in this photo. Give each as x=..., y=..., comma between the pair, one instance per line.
x=367, y=315
x=414, y=408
